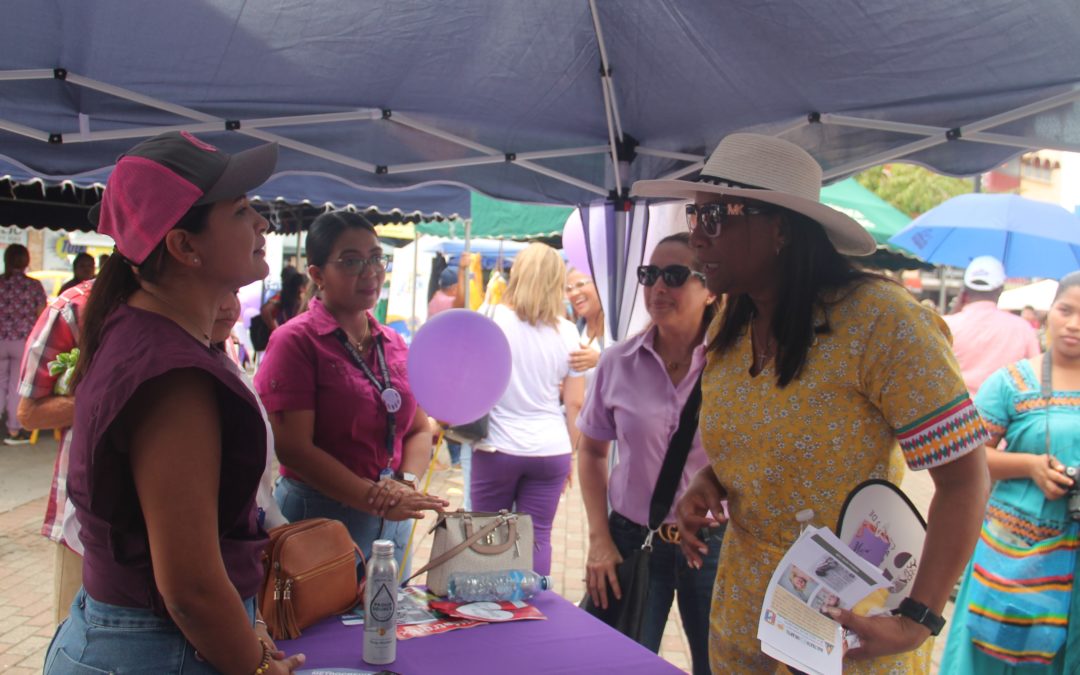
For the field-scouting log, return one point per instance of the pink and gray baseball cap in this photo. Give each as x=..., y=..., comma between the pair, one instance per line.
x=155, y=183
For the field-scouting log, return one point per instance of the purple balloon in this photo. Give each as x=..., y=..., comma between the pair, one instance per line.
x=573, y=244
x=459, y=366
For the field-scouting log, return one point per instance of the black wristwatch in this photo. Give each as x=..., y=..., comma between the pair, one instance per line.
x=920, y=614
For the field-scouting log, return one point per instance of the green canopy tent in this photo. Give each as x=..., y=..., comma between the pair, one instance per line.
x=498, y=219
x=880, y=218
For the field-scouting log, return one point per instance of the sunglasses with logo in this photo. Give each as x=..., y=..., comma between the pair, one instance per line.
x=577, y=285
x=710, y=217
x=673, y=275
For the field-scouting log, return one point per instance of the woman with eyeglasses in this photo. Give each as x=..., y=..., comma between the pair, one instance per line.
x=348, y=432
x=639, y=391
x=816, y=372
x=525, y=460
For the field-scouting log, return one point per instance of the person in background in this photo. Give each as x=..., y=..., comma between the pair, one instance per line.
x=524, y=462
x=985, y=338
x=812, y=380
x=581, y=292
x=82, y=269
x=446, y=297
x=636, y=398
x=21, y=300
x=102, y=259
x=165, y=460
x=286, y=303
x=1028, y=504
x=350, y=436
x=41, y=406
x=1029, y=314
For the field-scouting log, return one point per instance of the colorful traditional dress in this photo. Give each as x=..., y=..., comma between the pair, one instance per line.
x=1011, y=403
x=883, y=372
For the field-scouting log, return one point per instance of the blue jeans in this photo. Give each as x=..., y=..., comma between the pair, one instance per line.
x=669, y=574
x=454, y=448
x=299, y=501
x=101, y=638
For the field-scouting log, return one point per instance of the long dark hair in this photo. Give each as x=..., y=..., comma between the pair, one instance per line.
x=292, y=291
x=684, y=239
x=115, y=283
x=324, y=233
x=809, y=267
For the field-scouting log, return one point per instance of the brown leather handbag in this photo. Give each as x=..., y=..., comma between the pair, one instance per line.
x=310, y=574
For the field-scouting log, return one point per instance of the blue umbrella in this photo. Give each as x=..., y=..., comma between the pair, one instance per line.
x=1032, y=239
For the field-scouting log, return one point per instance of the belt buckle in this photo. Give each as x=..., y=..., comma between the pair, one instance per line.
x=669, y=533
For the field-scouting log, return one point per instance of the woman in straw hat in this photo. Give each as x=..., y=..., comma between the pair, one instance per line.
x=169, y=443
x=816, y=370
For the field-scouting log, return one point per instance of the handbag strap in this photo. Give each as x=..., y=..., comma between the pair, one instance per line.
x=674, y=461
x=469, y=541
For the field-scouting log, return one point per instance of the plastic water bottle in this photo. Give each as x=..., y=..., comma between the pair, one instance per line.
x=380, y=605
x=495, y=586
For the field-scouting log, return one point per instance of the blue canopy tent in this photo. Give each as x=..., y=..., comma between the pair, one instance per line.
x=548, y=102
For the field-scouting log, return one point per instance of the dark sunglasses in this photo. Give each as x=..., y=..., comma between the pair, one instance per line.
x=673, y=275
x=710, y=217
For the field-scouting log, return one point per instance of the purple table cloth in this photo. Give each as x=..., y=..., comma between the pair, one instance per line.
x=569, y=641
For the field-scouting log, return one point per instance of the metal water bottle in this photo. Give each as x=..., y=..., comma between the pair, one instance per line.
x=380, y=605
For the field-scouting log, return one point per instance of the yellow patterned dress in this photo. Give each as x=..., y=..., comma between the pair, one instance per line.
x=884, y=373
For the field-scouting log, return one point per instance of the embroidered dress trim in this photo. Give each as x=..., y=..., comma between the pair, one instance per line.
x=946, y=434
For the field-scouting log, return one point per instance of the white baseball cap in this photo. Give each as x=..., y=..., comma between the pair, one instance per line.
x=985, y=273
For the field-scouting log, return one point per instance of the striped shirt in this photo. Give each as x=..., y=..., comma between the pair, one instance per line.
x=55, y=332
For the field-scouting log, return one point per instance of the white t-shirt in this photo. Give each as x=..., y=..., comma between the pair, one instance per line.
x=528, y=419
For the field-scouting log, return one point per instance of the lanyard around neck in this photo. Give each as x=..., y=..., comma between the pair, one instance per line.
x=391, y=398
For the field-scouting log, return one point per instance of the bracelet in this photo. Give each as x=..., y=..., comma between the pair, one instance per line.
x=264, y=625
x=264, y=665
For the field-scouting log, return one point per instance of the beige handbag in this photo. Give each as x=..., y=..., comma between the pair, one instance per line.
x=468, y=541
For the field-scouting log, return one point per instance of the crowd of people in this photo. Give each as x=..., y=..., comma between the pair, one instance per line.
x=814, y=376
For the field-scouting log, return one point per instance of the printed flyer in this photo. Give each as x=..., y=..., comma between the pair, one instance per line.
x=818, y=572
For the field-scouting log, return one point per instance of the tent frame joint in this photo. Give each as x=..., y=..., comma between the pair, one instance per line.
x=232, y=125
x=56, y=139
x=511, y=157
x=954, y=134
x=814, y=118
x=387, y=113
x=60, y=73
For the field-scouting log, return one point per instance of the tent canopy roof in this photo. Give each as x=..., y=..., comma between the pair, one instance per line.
x=425, y=97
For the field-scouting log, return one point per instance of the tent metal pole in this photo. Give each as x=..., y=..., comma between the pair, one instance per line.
x=882, y=157
x=611, y=115
x=23, y=130
x=27, y=74
x=668, y=154
x=415, y=277
x=797, y=124
x=408, y=121
x=685, y=171
x=558, y=175
x=1024, y=111
x=149, y=101
x=464, y=254
x=1018, y=142
x=881, y=125
x=309, y=149
x=568, y=152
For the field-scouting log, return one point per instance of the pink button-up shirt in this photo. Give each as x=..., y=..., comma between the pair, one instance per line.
x=986, y=338
x=633, y=401
x=306, y=368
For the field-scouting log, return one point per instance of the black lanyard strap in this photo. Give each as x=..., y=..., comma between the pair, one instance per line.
x=381, y=386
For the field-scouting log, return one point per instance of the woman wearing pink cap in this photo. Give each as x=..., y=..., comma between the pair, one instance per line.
x=164, y=488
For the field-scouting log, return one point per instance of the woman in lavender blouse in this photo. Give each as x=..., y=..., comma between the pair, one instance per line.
x=639, y=391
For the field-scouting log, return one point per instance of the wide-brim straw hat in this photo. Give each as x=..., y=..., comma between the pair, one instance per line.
x=770, y=170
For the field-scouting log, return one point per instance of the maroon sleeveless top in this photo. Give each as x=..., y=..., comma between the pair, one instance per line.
x=136, y=347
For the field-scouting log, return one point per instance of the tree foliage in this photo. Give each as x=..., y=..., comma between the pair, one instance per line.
x=910, y=188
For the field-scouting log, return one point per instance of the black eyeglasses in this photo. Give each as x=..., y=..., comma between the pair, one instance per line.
x=711, y=216
x=673, y=275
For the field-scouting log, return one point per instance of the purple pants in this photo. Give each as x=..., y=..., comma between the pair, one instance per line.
x=529, y=485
